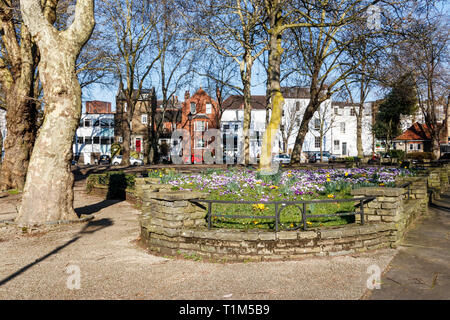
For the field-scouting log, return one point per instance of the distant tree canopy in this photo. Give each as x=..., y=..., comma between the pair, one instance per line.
x=401, y=100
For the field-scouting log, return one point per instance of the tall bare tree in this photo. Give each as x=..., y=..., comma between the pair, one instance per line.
x=173, y=68
x=19, y=58
x=283, y=15
x=132, y=24
x=48, y=191
x=233, y=28
x=425, y=52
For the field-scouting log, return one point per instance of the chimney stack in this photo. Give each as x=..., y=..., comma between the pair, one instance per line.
x=187, y=95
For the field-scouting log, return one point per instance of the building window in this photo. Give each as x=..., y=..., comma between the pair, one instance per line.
x=104, y=141
x=317, y=124
x=418, y=146
x=87, y=123
x=144, y=119
x=80, y=140
x=200, y=126
x=352, y=112
x=87, y=140
x=297, y=106
x=104, y=123
x=336, y=144
x=208, y=108
x=96, y=123
x=199, y=143
x=226, y=127
x=125, y=107
x=317, y=142
x=192, y=107
x=342, y=127
x=96, y=140
x=336, y=111
x=411, y=146
x=120, y=139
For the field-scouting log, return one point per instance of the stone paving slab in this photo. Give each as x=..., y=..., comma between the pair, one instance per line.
x=421, y=269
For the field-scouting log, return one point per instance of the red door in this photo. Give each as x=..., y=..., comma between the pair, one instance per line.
x=138, y=145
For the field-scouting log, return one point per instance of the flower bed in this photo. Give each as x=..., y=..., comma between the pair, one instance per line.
x=292, y=185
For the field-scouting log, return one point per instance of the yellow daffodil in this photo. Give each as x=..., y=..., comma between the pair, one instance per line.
x=259, y=206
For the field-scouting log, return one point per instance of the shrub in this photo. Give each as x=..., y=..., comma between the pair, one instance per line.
x=116, y=181
x=399, y=154
x=419, y=155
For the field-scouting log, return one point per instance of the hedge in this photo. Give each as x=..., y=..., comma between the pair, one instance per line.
x=117, y=182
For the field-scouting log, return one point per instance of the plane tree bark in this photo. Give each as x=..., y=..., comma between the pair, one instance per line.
x=48, y=191
x=18, y=78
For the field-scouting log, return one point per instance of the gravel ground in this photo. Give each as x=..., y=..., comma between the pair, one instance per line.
x=34, y=265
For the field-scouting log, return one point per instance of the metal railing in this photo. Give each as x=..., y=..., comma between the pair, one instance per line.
x=408, y=191
x=281, y=205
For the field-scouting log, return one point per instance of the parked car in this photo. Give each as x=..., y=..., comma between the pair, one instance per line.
x=104, y=159
x=133, y=161
x=165, y=159
x=282, y=158
x=315, y=156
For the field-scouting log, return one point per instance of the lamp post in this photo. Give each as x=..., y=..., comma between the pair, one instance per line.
x=190, y=115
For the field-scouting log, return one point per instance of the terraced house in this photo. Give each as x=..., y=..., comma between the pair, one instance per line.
x=95, y=133
x=144, y=127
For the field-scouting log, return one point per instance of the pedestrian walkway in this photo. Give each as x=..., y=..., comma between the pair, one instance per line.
x=38, y=265
x=421, y=269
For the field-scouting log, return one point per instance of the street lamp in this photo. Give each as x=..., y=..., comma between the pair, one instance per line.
x=190, y=115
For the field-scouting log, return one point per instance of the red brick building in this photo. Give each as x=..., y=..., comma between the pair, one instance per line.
x=199, y=113
x=98, y=107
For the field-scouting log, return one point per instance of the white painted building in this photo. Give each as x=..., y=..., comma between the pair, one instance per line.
x=93, y=137
x=336, y=120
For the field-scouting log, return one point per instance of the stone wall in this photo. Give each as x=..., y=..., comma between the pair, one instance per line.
x=392, y=205
x=173, y=224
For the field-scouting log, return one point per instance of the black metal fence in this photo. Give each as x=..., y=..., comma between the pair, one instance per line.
x=408, y=190
x=281, y=205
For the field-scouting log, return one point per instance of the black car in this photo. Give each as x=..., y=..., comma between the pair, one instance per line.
x=104, y=159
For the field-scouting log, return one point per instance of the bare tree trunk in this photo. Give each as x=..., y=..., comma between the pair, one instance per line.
x=17, y=83
x=302, y=131
x=359, y=145
x=276, y=97
x=247, y=114
x=48, y=191
x=126, y=130
x=21, y=126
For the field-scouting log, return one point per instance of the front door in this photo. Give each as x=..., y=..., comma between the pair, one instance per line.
x=344, y=148
x=138, y=145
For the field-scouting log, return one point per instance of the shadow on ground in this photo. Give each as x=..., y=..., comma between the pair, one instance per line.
x=89, y=228
x=96, y=207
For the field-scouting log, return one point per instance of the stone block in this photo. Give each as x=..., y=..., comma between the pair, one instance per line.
x=267, y=236
x=307, y=235
x=330, y=234
x=287, y=235
x=340, y=253
x=390, y=205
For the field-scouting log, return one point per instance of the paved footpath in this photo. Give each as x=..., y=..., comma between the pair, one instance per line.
x=35, y=265
x=421, y=269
